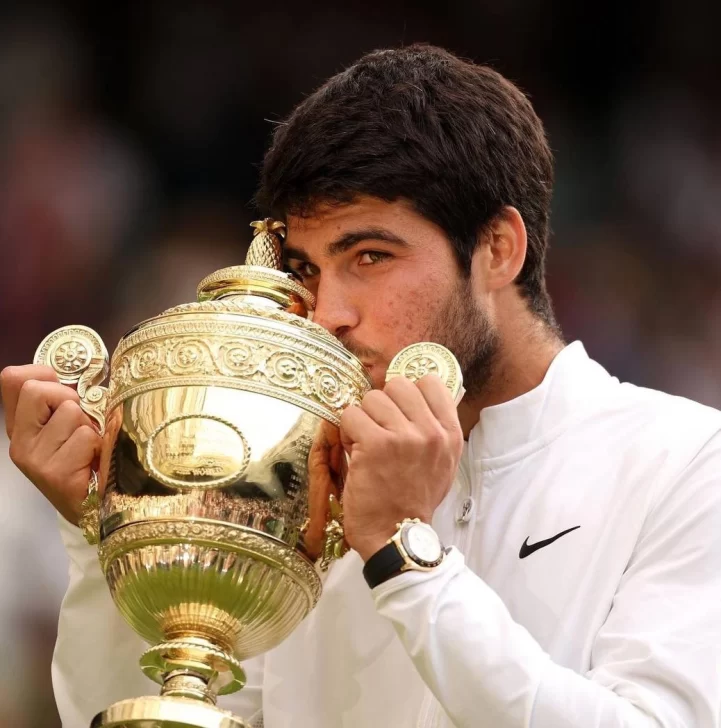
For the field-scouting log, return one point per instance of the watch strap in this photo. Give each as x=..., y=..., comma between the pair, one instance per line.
x=383, y=565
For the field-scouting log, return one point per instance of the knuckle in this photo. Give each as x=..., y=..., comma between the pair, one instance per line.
x=456, y=431
x=375, y=395
x=435, y=437
x=31, y=387
x=381, y=447
x=88, y=435
x=430, y=382
x=32, y=391
x=398, y=384
x=17, y=453
x=14, y=378
x=348, y=414
x=10, y=377
x=44, y=474
x=418, y=441
x=69, y=410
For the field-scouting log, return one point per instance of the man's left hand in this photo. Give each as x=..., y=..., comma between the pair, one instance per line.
x=404, y=444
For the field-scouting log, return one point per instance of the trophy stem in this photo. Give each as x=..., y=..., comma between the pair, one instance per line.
x=182, y=684
x=193, y=667
x=193, y=671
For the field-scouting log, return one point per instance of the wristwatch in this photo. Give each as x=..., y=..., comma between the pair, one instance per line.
x=414, y=546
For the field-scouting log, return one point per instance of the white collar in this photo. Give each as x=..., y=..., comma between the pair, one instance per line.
x=511, y=430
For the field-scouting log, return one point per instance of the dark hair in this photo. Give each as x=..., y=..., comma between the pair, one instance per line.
x=455, y=139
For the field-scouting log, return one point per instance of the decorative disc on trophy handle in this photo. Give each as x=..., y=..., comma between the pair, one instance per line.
x=425, y=357
x=79, y=357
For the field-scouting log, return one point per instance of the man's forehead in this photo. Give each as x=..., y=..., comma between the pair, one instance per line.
x=325, y=222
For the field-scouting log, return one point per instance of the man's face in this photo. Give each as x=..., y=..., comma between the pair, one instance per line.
x=384, y=278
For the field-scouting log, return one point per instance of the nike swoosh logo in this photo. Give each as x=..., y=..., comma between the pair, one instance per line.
x=527, y=549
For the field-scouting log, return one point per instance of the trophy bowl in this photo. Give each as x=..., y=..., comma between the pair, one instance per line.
x=221, y=473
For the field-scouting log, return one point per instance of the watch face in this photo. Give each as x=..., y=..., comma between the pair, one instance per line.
x=422, y=544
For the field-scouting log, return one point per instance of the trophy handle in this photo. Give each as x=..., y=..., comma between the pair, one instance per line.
x=79, y=357
x=334, y=544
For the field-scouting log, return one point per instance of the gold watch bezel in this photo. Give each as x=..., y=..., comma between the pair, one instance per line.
x=411, y=563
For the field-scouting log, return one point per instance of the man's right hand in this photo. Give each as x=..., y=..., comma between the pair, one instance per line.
x=53, y=442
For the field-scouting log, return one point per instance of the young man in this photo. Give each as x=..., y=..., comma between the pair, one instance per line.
x=583, y=586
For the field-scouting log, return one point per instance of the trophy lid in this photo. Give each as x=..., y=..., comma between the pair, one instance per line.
x=262, y=277
x=249, y=329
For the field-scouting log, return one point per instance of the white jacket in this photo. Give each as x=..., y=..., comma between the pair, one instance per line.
x=616, y=623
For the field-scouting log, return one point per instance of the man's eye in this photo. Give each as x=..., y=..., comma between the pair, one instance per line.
x=304, y=270
x=370, y=257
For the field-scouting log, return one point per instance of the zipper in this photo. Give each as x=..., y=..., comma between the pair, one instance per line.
x=466, y=510
x=431, y=713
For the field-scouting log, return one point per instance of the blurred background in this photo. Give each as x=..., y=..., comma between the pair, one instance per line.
x=130, y=139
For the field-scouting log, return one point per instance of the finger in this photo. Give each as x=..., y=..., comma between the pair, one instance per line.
x=75, y=459
x=66, y=419
x=439, y=401
x=36, y=404
x=321, y=485
x=329, y=436
x=356, y=426
x=409, y=400
x=383, y=411
x=12, y=380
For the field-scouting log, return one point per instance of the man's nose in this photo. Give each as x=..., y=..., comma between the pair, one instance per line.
x=334, y=309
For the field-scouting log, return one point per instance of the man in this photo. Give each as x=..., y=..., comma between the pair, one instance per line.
x=583, y=583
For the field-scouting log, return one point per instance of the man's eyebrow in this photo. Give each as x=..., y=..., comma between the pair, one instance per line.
x=291, y=253
x=345, y=242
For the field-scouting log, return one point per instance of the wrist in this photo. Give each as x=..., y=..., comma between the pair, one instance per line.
x=414, y=546
x=367, y=547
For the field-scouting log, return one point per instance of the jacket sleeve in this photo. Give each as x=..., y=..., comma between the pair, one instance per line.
x=656, y=661
x=96, y=655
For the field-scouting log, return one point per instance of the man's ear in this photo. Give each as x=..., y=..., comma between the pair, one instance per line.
x=499, y=258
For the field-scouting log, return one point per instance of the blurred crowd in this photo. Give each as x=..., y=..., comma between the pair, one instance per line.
x=130, y=139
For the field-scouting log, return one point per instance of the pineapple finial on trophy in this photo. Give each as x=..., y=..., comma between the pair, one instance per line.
x=265, y=250
x=261, y=280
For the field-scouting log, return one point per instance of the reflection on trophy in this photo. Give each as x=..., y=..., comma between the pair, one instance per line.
x=213, y=422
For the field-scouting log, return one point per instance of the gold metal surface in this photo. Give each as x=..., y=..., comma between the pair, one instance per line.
x=334, y=543
x=193, y=659
x=265, y=248
x=221, y=474
x=238, y=352
x=165, y=712
x=79, y=357
x=417, y=360
x=89, y=522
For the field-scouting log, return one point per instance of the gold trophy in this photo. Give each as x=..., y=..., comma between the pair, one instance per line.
x=222, y=475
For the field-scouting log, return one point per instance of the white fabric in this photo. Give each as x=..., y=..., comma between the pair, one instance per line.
x=615, y=624
x=32, y=583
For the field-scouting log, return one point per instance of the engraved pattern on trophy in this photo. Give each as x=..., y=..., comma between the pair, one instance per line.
x=175, y=456
x=259, y=275
x=248, y=309
x=258, y=589
x=418, y=360
x=255, y=358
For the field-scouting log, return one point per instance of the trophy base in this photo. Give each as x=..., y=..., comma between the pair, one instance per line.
x=165, y=712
